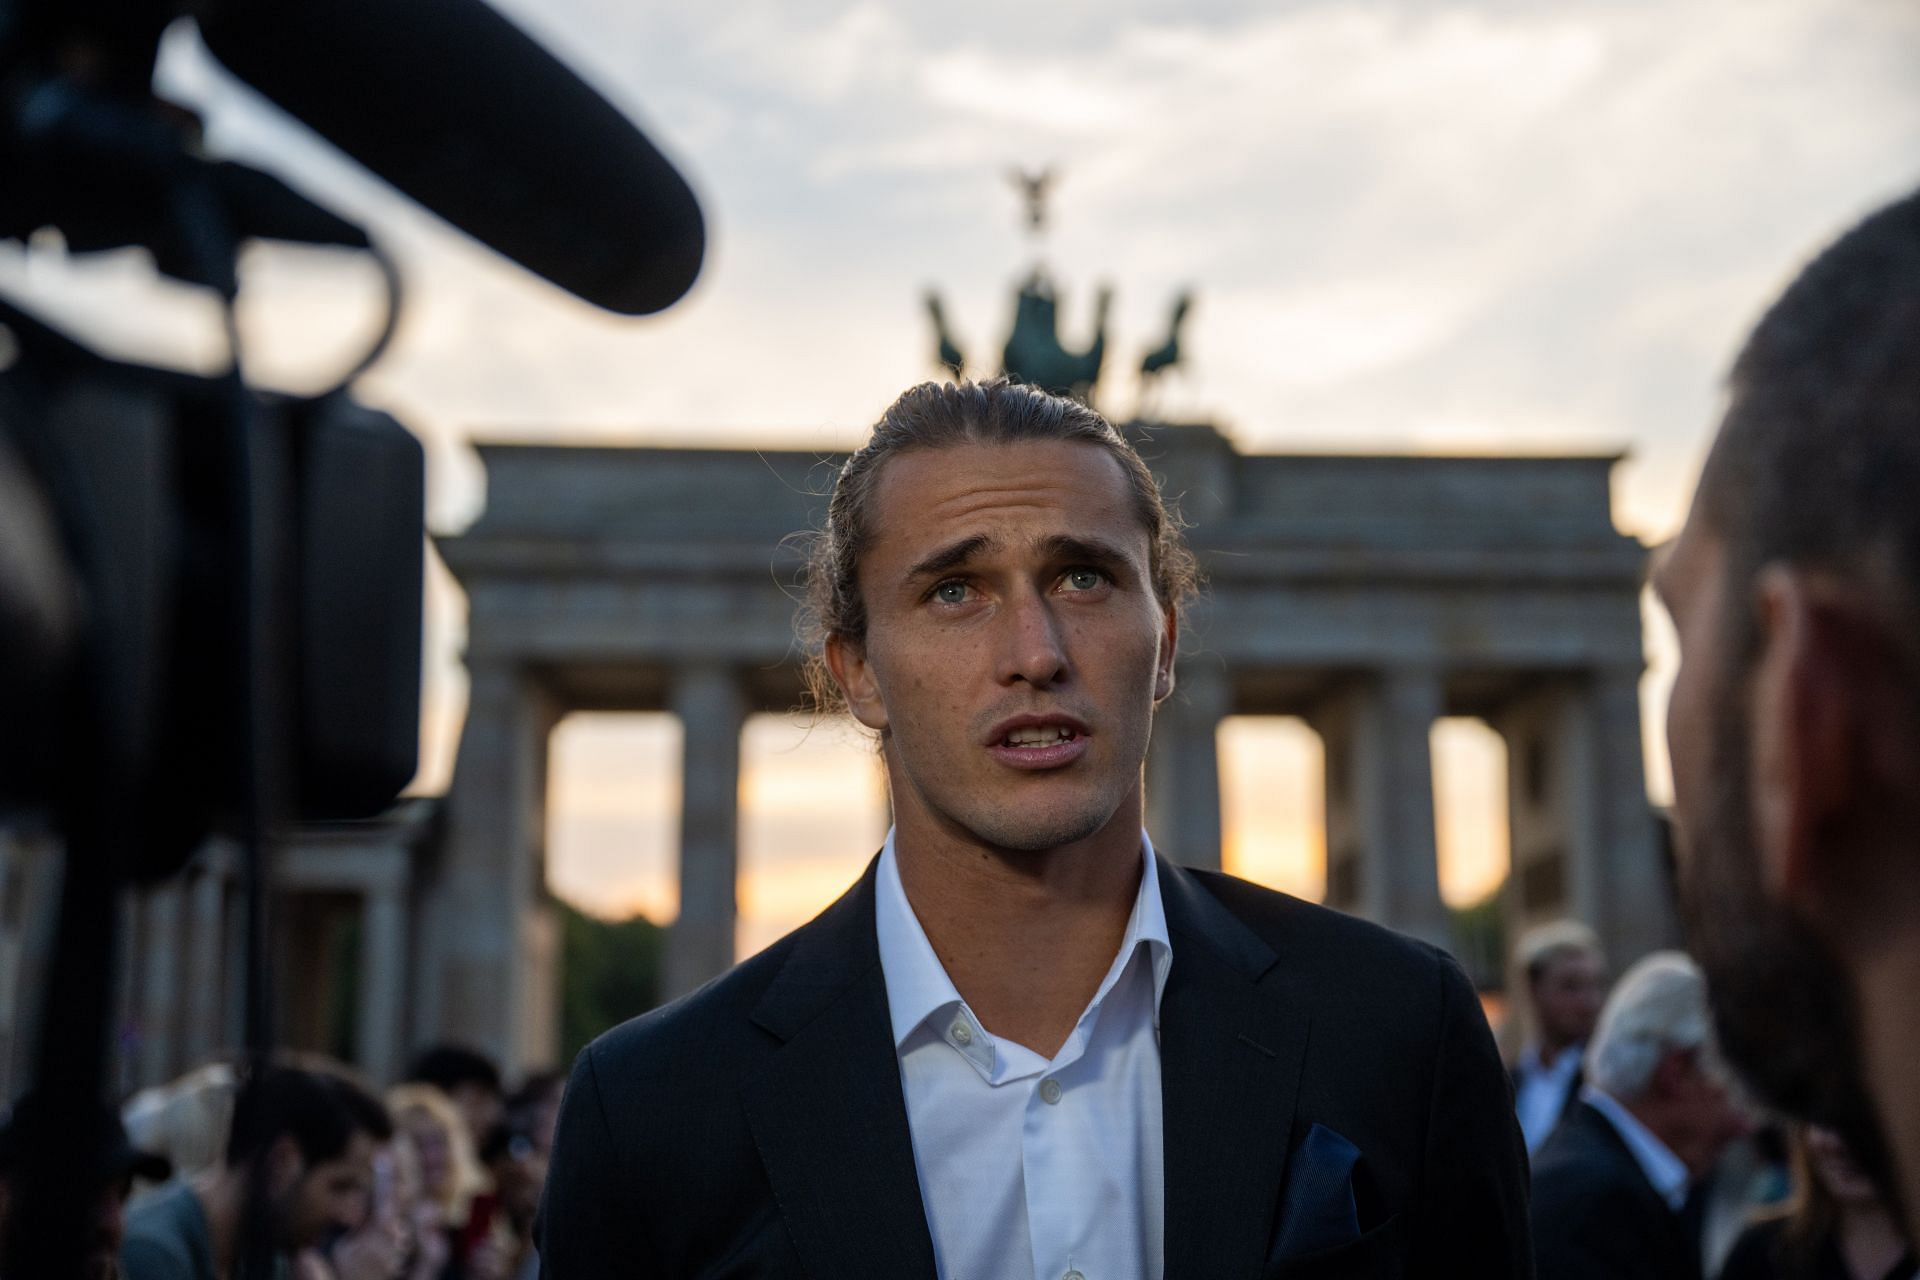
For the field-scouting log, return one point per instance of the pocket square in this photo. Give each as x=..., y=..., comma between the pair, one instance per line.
x=1318, y=1210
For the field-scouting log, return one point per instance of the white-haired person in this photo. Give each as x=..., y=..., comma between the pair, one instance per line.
x=1611, y=1185
x=1561, y=973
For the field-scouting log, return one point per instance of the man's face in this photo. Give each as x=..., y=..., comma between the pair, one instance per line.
x=1015, y=648
x=1781, y=1002
x=1714, y=1116
x=1567, y=997
x=324, y=1198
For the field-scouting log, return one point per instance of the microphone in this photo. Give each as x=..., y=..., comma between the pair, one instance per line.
x=460, y=110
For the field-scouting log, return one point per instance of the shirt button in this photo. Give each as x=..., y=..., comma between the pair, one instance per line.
x=1050, y=1091
x=961, y=1033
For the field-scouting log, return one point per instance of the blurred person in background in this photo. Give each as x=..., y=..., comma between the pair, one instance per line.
x=427, y=1245
x=402, y=1237
x=186, y=1120
x=1794, y=723
x=1612, y=1187
x=470, y=1081
x=1563, y=978
x=451, y=1179
x=1836, y=1226
x=534, y=1108
x=310, y=1135
x=518, y=1165
x=120, y=1163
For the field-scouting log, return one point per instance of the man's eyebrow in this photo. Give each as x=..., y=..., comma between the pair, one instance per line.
x=1063, y=546
x=951, y=556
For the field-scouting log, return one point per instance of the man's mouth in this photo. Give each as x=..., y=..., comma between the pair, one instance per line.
x=1043, y=736
x=1039, y=742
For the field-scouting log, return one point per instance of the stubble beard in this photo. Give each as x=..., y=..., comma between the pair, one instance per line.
x=1783, y=1006
x=1023, y=834
x=1019, y=829
x=1012, y=827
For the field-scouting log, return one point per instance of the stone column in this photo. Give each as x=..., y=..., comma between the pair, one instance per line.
x=160, y=974
x=206, y=984
x=34, y=865
x=712, y=711
x=1581, y=830
x=1633, y=882
x=1381, y=854
x=383, y=946
x=481, y=981
x=1183, y=765
x=1550, y=773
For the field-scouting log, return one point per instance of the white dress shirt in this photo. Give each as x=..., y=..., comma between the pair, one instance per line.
x=1030, y=1167
x=1665, y=1170
x=1542, y=1096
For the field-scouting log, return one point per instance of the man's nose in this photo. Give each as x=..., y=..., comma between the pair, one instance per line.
x=1032, y=649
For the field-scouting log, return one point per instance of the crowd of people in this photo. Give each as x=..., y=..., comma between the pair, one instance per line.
x=1647, y=1159
x=437, y=1179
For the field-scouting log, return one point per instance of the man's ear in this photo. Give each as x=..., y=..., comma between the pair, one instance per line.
x=1169, y=646
x=847, y=661
x=1804, y=748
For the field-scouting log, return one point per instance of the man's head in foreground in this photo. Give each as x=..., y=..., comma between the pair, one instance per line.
x=1565, y=975
x=1795, y=718
x=312, y=1136
x=1654, y=1053
x=997, y=594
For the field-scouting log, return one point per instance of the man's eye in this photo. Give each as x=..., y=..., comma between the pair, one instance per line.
x=1084, y=579
x=950, y=592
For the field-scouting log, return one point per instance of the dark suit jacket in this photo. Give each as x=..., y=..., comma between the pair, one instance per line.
x=1595, y=1215
x=758, y=1128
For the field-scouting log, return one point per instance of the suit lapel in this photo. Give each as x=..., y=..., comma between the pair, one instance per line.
x=1230, y=1063
x=1683, y=1247
x=827, y=1111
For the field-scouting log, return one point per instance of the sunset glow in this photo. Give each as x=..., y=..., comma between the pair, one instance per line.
x=813, y=810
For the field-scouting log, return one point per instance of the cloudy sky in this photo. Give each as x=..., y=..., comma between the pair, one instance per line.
x=1410, y=225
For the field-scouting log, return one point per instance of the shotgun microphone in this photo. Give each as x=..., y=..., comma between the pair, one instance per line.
x=460, y=110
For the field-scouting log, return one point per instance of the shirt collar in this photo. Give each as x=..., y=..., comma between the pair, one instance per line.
x=917, y=983
x=1563, y=1068
x=1664, y=1170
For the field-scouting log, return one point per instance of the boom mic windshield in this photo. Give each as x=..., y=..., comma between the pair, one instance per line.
x=455, y=106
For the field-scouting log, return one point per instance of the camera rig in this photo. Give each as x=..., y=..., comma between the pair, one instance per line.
x=210, y=596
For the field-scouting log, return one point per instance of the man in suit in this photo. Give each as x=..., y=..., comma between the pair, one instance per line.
x=1794, y=724
x=1563, y=975
x=1024, y=1045
x=1612, y=1188
x=310, y=1135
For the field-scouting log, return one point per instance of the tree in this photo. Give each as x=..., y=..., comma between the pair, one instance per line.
x=609, y=972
